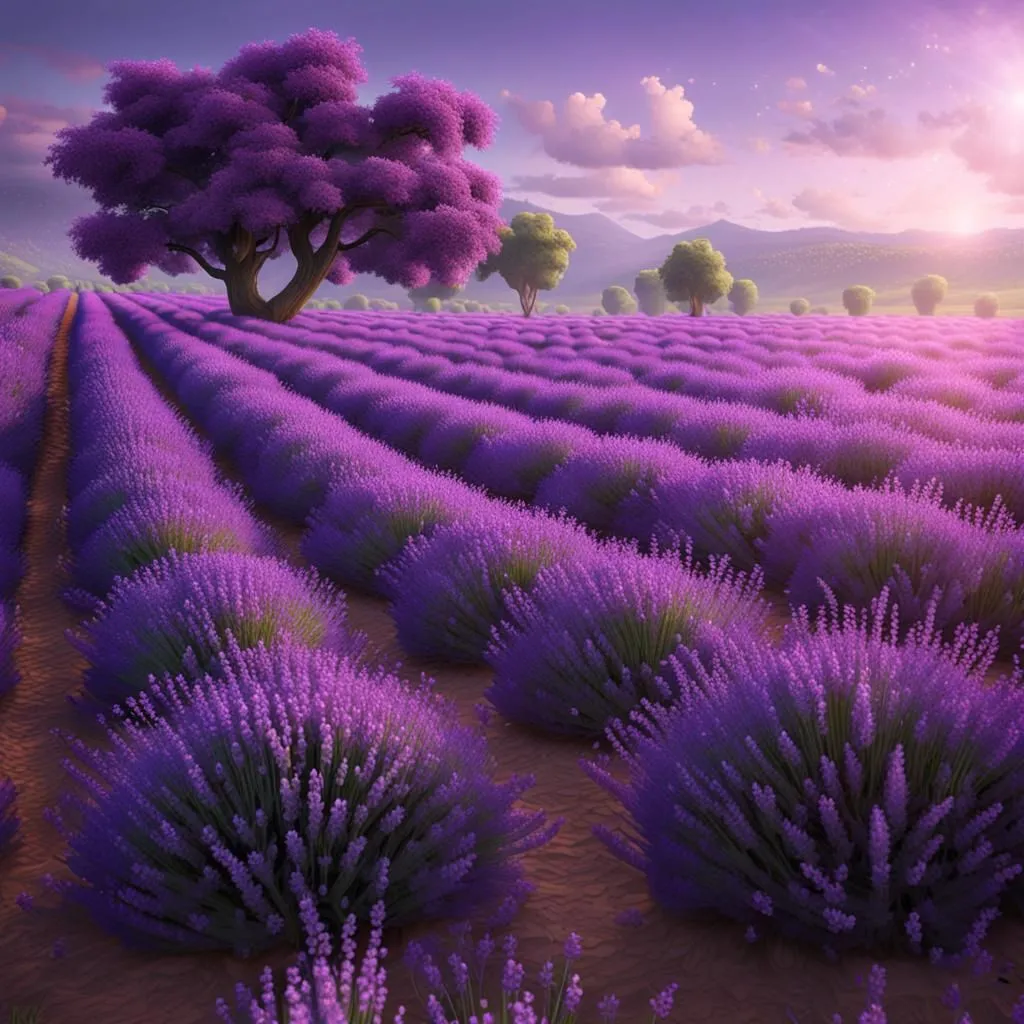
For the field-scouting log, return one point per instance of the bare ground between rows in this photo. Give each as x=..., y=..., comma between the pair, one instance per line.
x=579, y=885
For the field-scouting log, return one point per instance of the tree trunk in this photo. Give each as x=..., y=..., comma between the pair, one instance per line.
x=696, y=305
x=244, y=296
x=527, y=299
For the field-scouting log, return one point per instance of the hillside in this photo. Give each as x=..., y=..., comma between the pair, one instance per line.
x=815, y=262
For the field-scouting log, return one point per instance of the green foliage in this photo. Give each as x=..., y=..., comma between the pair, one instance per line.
x=10, y=281
x=472, y=306
x=819, y=311
x=986, y=305
x=743, y=296
x=694, y=272
x=799, y=307
x=57, y=282
x=597, y=312
x=383, y=305
x=927, y=292
x=431, y=305
x=857, y=300
x=332, y=304
x=534, y=256
x=40, y=286
x=419, y=297
x=360, y=302
x=562, y=310
x=456, y=307
x=617, y=299
x=650, y=292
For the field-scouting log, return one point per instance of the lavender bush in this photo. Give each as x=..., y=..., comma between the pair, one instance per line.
x=365, y=524
x=298, y=774
x=449, y=590
x=174, y=617
x=843, y=789
x=590, y=642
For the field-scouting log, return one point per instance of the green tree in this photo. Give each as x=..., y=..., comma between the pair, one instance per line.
x=432, y=290
x=650, y=292
x=819, y=311
x=431, y=305
x=357, y=302
x=616, y=300
x=332, y=304
x=743, y=296
x=694, y=272
x=534, y=256
x=562, y=310
x=472, y=306
x=58, y=282
x=986, y=305
x=598, y=311
x=10, y=281
x=857, y=300
x=928, y=292
x=799, y=307
x=456, y=307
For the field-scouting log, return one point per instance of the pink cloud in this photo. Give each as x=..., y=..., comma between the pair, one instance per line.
x=796, y=83
x=990, y=146
x=27, y=129
x=78, y=66
x=696, y=216
x=776, y=208
x=625, y=183
x=834, y=207
x=796, y=108
x=1014, y=207
x=862, y=134
x=581, y=135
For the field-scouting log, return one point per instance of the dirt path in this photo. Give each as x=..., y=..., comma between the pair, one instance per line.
x=579, y=885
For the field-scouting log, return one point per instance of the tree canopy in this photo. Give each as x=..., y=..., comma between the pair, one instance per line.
x=10, y=281
x=533, y=257
x=357, y=302
x=927, y=292
x=986, y=305
x=743, y=296
x=694, y=272
x=617, y=299
x=273, y=153
x=857, y=300
x=650, y=292
x=799, y=307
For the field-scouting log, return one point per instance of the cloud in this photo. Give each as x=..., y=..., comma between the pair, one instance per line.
x=796, y=108
x=834, y=207
x=796, y=83
x=860, y=92
x=581, y=135
x=606, y=182
x=770, y=206
x=824, y=69
x=989, y=143
x=760, y=145
x=862, y=134
x=27, y=129
x=695, y=217
x=77, y=66
x=1014, y=207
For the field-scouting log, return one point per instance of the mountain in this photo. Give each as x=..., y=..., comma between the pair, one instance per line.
x=814, y=262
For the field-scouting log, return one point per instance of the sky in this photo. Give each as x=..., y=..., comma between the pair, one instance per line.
x=883, y=115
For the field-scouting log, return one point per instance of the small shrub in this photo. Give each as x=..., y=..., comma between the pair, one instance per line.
x=174, y=617
x=298, y=774
x=845, y=789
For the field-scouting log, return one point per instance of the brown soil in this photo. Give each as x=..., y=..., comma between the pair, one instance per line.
x=580, y=886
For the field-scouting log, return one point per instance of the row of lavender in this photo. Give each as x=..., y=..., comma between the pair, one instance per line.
x=839, y=385
x=400, y=410
x=737, y=364
x=842, y=873
x=28, y=329
x=253, y=657
x=799, y=528
x=855, y=450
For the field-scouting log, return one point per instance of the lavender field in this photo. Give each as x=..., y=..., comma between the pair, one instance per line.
x=696, y=639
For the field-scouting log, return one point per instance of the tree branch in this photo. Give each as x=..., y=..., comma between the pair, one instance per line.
x=210, y=269
x=365, y=237
x=273, y=245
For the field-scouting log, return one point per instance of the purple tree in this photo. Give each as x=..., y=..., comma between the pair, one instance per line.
x=273, y=154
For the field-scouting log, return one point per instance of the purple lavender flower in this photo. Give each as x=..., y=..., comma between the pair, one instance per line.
x=451, y=589
x=366, y=523
x=173, y=618
x=592, y=641
x=773, y=788
x=298, y=774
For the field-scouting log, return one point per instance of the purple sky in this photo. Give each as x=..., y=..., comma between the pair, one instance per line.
x=665, y=114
